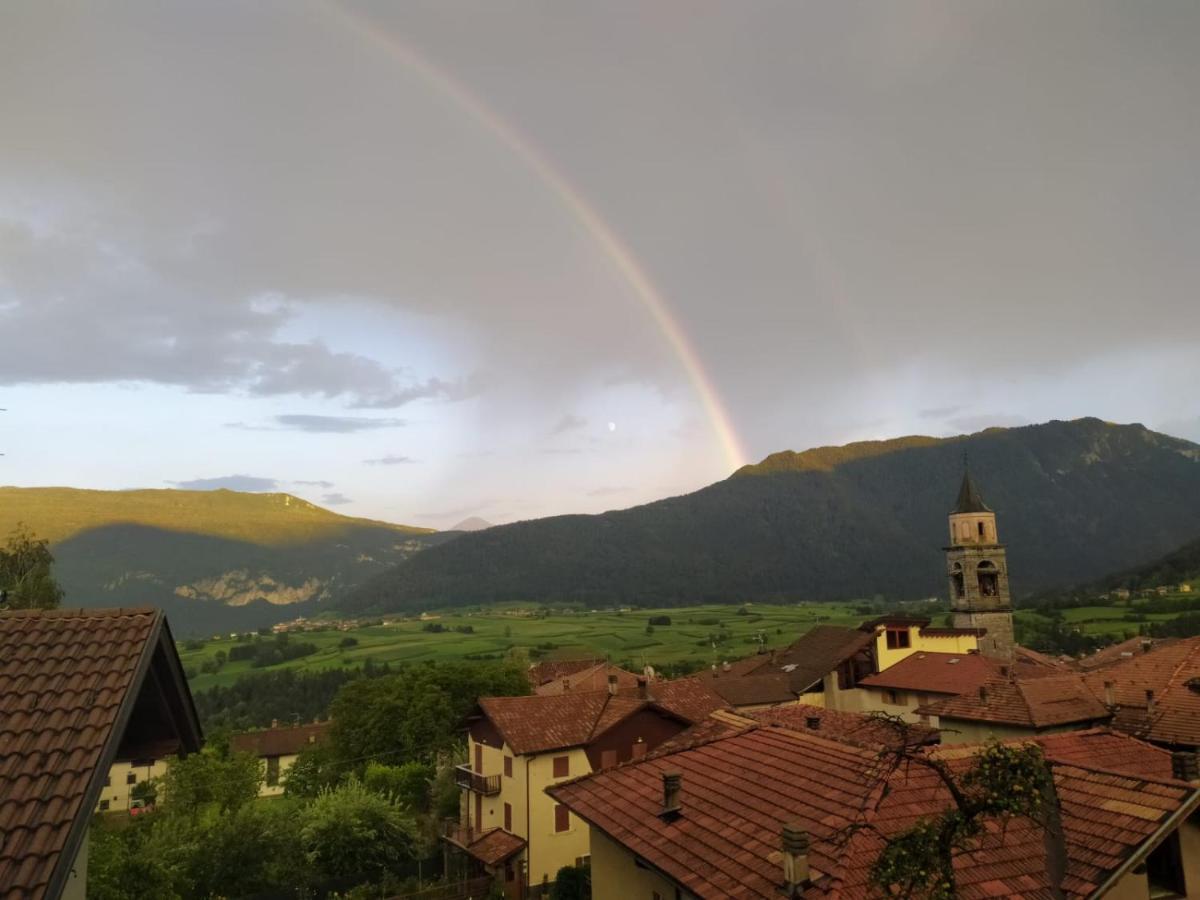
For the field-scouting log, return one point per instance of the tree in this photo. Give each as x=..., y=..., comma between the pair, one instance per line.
x=312, y=772
x=350, y=832
x=572, y=883
x=407, y=784
x=25, y=572
x=1003, y=781
x=211, y=779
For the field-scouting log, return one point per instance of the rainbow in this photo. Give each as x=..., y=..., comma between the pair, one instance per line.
x=606, y=239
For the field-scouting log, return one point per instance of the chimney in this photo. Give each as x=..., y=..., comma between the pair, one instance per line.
x=983, y=693
x=566, y=684
x=813, y=722
x=1185, y=765
x=795, y=858
x=725, y=666
x=1110, y=694
x=1149, y=702
x=672, y=786
x=1147, y=645
x=643, y=689
x=612, y=684
x=1004, y=671
x=274, y=723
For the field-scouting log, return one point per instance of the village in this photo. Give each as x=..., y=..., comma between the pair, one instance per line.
x=793, y=771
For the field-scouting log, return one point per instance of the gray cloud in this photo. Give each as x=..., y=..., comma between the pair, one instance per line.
x=389, y=460
x=567, y=424
x=320, y=484
x=981, y=421
x=335, y=499
x=251, y=483
x=321, y=424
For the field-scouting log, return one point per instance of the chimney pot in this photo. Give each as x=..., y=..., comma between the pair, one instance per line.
x=1110, y=694
x=274, y=723
x=643, y=689
x=1146, y=645
x=795, y=857
x=612, y=684
x=1185, y=765
x=1149, y=702
x=672, y=787
x=566, y=683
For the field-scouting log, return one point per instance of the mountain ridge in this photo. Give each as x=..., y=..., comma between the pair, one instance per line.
x=1073, y=497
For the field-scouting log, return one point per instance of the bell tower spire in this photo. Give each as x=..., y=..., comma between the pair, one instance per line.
x=977, y=566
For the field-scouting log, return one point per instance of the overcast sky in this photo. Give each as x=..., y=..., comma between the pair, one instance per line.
x=422, y=261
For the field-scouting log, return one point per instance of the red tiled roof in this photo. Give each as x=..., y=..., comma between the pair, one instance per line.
x=592, y=678
x=1030, y=703
x=1102, y=748
x=738, y=791
x=280, y=741
x=554, y=669
x=851, y=728
x=1031, y=658
x=1167, y=669
x=688, y=698
x=1106, y=817
x=934, y=673
x=754, y=690
x=1115, y=653
x=538, y=724
x=69, y=680
x=495, y=846
x=814, y=654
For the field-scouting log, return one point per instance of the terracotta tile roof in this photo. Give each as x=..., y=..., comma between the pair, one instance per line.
x=539, y=724
x=1030, y=703
x=1102, y=748
x=815, y=653
x=1115, y=653
x=1106, y=817
x=934, y=673
x=848, y=727
x=69, y=681
x=592, y=678
x=738, y=791
x=1032, y=658
x=1172, y=671
x=495, y=846
x=280, y=741
x=754, y=690
x=688, y=698
x=554, y=669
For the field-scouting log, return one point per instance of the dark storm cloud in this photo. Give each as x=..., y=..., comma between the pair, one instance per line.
x=251, y=483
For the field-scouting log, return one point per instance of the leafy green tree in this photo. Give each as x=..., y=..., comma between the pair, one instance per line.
x=120, y=867
x=211, y=780
x=407, y=784
x=350, y=832
x=145, y=790
x=25, y=572
x=572, y=883
x=313, y=771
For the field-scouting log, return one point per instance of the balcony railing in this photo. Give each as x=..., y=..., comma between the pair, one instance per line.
x=488, y=785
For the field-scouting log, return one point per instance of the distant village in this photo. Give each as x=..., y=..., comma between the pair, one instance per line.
x=896, y=758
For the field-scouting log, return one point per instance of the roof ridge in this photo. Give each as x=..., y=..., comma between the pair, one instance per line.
x=1117, y=773
x=82, y=612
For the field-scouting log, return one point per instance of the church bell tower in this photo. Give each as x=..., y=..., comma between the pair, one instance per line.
x=978, y=570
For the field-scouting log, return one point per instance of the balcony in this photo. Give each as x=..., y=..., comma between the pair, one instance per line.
x=488, y=785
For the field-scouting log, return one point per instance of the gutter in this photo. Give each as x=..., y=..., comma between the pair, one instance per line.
x=1148, y=846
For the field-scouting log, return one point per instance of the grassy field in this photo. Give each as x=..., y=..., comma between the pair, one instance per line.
x=1101, y=620
x=620, y=636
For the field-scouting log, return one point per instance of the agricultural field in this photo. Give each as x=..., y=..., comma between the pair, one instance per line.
x=496, y=632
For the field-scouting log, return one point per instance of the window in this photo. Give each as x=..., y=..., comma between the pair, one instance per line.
x=131, y=778
x=956, y=577
x=898, y=638
x=1164, y=869
x=980, y=529
x=893, y=698
x=989, y=585
x=562, y=766
x=562, y=818
x=508, y=817
x=103, y=806
x=508, y=767
x=272, y=771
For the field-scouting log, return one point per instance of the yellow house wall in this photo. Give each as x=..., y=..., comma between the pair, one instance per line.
x=875, y=700
x=923, y=643
x=76, y=886
x=532, y=808
x=275, y=790
x=616, y=875
x=117, y=791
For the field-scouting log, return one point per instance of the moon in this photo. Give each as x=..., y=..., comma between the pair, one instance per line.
x=612, y=426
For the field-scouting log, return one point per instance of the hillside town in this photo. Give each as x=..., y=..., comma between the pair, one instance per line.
x=807, y=771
